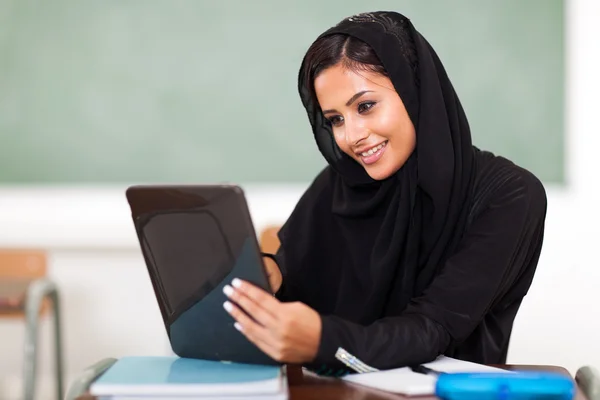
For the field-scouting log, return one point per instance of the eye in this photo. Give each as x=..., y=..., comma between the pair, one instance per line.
x=336, y=120
x=365, y=106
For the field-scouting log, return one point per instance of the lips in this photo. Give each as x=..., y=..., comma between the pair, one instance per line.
x=373, y=154
x=371, y=150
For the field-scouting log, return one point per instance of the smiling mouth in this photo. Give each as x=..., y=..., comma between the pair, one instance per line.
x=373, y=155
x=373, y=150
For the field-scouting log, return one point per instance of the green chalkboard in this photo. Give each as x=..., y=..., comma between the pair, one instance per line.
x=205, y=91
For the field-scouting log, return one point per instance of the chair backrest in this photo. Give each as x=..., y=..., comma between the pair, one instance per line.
x=269, y=242
x=17, y=267
x=22, y=264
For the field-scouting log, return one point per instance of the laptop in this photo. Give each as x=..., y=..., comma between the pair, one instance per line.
x=195, y=239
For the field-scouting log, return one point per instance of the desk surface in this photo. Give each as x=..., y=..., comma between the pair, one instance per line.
x=310, y=387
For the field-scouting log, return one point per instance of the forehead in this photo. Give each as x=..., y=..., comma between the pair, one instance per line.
x=337, y=84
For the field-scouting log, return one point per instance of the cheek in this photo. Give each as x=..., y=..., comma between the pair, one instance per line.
x=398, y=129
x=389, y=124
x=340, y=140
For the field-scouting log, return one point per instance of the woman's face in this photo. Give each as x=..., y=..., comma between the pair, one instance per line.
x=368, y=118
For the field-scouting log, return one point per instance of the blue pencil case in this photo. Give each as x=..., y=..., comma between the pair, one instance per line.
x=504, y=386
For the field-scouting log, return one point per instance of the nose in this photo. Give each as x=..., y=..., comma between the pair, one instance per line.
x=355, y=133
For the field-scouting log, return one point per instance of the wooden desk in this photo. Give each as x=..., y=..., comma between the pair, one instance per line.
x=311, y=387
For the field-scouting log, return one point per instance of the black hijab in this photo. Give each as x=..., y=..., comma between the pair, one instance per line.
x=382, y=242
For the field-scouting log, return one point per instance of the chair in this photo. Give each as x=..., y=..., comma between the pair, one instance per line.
x=26, y=293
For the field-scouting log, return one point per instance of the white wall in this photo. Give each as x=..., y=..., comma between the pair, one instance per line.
x=108, y=304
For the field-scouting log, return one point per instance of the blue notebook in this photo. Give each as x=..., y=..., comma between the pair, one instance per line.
x=174, y=376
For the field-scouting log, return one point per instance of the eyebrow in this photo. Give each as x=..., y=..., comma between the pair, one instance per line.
x=352, y=100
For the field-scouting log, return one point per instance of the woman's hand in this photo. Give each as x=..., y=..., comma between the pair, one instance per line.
x=273, y=273
x=287, y=332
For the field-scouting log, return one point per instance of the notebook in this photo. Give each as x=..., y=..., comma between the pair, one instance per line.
x=162, y=378
x=406, y=382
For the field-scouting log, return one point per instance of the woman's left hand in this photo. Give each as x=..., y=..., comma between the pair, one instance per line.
x=287, y=332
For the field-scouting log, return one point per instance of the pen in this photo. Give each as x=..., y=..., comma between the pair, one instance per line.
x=421, y=369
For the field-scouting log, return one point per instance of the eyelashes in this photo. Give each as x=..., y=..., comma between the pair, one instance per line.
x=362, y=108
x=336, y=120
x=366, y=106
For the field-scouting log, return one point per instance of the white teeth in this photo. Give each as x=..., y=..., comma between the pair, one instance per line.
x=373, y=150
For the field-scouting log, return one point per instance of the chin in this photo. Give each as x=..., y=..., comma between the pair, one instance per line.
x=380, y=173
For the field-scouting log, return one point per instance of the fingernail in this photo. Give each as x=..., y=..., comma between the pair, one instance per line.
x=236, y=282
x=228, y=290
x=228, y=306
x=237, y=326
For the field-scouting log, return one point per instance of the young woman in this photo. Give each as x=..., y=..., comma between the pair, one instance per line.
x=412, y=242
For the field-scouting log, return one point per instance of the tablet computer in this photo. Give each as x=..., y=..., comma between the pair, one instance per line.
x=195, y=239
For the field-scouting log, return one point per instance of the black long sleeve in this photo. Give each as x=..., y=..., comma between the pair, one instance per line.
x=487, y=275
x=468, y=309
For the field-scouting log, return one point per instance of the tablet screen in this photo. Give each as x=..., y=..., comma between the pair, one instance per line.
x=189, y=254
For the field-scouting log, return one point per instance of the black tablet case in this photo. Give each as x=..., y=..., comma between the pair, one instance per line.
x=195, y=239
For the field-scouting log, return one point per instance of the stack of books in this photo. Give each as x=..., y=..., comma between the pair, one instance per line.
x=175, y=378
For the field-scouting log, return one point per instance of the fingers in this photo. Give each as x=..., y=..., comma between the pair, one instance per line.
x=261, y=318
x=291, y=333
x=258, y=295
x=256, y=333
x=260, y=313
